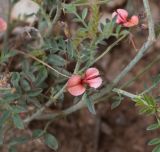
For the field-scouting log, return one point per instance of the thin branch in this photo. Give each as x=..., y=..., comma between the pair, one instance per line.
x=154, y=85
x=125, y=93
x=106, y=51
x=40, y=61
x=109, y=48
x=39, y=111
x=144, y=70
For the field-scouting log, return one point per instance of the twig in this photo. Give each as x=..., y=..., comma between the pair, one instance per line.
x=39, y=111
x=109, y=48
x=106, y=51
x=125, y=93
x=40, y=61
x=156, y=60
x=154, y=85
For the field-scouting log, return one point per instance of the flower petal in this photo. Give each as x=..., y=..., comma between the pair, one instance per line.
x=94, y=83
x=121, y=15
x=91, y=73
x=74, y=80
x=132, y=22
x=76, y=90
x=3, y=25
x=74, y=85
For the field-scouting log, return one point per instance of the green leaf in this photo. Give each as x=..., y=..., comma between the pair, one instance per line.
x=51, y=45
x=118, y=29
x=25, y=66
x=147, y=111
x=150, y=100
x=17, y=109
x=37, y=133
x=19, y=140
x=34, y=93
x=1, y=136
x=89, y=104
x=18, y=121
x=84, y=13
x=12, y=149
x=153, y=127
x=154, y=141
x=8, y=97
x=25, y=85
x=56, y=60
x=5, y=56
x=4, y=117
x=115, y=104
x=70, y=50
x=15, y=79
x=41, y=76
x=156, y=149
x=51, y=141
x=70, y=8
x=80, y=1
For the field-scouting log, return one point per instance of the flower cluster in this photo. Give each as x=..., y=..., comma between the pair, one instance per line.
x=122, y=18
x=76, y=85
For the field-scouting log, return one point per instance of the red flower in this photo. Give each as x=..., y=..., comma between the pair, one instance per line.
x=3, y=25
x=76, y=83
x=122, y=18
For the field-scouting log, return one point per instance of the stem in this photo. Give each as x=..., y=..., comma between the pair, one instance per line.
x=157, y=59
x=94, y=3
x=150, y=88
x=42, y=62
x=152, y=36
x=125, y=93
x=77, y=66
x=106, y=51
x=109, y=48
x=39, y=111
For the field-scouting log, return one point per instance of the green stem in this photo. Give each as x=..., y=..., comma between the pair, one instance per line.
x=39, y=111
x=106, y=51
x=109, y=48
x=94, y=3
x=125, y=93
x=77, y=66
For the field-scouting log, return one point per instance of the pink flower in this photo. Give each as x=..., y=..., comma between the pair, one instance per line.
x=76, y=83
x=122, y=18
x=3, y=25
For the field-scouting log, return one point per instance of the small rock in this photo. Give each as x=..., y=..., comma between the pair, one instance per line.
x=25, y=10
